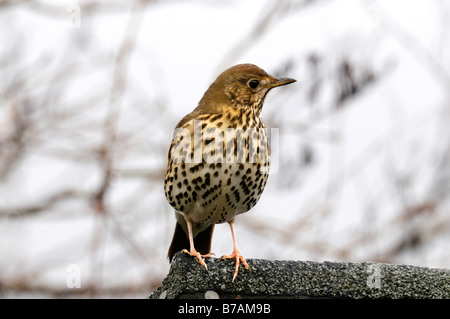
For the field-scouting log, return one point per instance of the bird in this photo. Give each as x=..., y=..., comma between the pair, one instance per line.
x=219, y=160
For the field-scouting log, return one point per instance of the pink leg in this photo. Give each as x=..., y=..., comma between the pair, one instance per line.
x=192, y=251
x=235, y=254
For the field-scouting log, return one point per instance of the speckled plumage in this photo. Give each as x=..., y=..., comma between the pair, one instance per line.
x=218, y=161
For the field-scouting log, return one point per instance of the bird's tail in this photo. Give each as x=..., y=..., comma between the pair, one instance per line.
x=180, y=241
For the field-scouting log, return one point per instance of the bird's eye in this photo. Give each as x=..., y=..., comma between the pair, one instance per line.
x=253, y=84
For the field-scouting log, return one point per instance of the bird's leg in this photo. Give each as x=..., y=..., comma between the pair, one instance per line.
x=192, y=251
x=235, y=254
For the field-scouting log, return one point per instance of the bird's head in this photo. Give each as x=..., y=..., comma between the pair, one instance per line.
x=243, y=86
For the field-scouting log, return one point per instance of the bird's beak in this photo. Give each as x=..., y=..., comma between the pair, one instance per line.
x=280, y=82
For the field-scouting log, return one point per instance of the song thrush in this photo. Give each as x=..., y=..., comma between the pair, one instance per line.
x=219, y=160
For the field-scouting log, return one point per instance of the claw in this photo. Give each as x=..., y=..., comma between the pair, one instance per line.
x=239, y=258
x=199, y=256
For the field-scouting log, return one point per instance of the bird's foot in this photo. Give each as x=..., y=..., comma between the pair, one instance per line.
x=239, y=258
x=199, y=256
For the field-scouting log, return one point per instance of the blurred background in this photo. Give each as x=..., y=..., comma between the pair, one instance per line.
x=91, y=90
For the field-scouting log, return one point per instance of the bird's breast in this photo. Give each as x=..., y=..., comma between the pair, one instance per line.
x=221, y=171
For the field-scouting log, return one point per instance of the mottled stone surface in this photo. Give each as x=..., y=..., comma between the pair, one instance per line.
x=300, y=279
